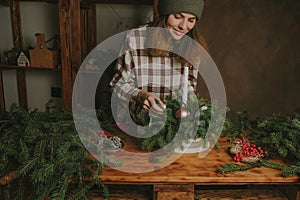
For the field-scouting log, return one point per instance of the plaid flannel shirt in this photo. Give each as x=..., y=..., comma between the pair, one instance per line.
x=136, y=70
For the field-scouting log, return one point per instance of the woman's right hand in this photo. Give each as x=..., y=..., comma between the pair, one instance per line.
x=154, y=103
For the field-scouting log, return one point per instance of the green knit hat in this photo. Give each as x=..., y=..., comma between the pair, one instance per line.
x=195, y=7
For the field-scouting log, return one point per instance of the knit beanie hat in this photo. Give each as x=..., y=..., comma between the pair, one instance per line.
x=195, y=7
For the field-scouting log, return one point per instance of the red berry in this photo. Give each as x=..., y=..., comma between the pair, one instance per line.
x=266, y=152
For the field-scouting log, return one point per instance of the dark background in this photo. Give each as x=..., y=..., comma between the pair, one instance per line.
x=255, y=44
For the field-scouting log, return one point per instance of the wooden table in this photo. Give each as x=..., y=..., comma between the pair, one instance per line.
x=180, y=177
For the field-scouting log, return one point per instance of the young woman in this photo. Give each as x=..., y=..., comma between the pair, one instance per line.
x=144, y=75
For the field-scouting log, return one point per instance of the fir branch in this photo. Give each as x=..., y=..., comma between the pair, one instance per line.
x=62, y=190
x=291, y=170
x=233, y=167
x=43, y=192
x=46, y=153
x=79, y=193
x=24, y=150
x=28, y=165
x=271, y=164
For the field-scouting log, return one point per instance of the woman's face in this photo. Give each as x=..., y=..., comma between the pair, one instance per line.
x=180, y=23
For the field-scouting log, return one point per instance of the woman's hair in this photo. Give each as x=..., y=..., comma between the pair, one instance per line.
x=163, y=40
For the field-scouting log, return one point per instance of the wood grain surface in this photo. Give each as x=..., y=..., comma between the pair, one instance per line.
x=189, y=168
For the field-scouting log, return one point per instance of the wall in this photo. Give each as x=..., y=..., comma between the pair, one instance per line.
x=256, y=46
x=115, y=18
x=6, y=42
x=254, y=43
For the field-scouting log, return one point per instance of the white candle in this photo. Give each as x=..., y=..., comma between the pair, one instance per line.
x=185, y=85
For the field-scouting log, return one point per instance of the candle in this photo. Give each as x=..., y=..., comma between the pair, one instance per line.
x=185, y=85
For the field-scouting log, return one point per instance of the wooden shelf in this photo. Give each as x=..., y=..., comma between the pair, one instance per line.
x=4, y=66
x=21, y=82
x=137, y=2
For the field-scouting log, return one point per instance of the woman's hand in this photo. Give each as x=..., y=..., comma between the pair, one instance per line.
x=152, y=101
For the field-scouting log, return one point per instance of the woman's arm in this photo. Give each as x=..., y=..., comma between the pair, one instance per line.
x=123, y=81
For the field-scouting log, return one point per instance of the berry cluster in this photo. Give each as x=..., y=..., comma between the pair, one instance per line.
x=249, y=150
x=103, y=134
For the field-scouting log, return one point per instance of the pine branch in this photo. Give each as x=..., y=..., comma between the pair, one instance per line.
x=62, y=190
x=233, y=167
x=291, y=170
x=25, y=167
x=79, y=193
x=272, y=165
x=46, y=153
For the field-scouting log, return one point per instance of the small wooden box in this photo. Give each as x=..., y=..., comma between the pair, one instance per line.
x=41, y=56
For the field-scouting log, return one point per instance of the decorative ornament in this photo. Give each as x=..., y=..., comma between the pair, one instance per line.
x=23, y=59
x=11, y=56
x=182, y=113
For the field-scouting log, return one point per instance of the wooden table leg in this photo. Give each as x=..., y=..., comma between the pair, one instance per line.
x=2, y=100
x=173, y=192
x=22, y=92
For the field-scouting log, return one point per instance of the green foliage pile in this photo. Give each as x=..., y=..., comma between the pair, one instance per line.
x=47, y=155
x=279, y=134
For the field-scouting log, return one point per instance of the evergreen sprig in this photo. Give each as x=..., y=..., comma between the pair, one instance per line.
x=45, y=151
x=233, y=167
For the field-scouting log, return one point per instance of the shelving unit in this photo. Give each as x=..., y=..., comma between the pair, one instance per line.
x=77, y=21
x=22, y=91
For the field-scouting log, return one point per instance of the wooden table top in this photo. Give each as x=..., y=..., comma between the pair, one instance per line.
x=189, y=168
